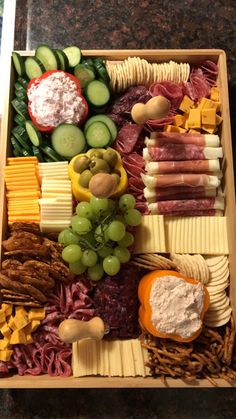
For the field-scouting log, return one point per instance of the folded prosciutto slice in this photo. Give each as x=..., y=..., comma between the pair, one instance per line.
x=186, y=205
x=186, y=166
x=182, y=192
x=176, y=180
x=158, y=139
x=181, y=152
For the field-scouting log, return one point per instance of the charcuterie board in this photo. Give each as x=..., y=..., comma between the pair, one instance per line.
x=219, y=237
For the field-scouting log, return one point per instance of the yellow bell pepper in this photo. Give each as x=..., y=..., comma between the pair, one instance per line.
x=83, y=194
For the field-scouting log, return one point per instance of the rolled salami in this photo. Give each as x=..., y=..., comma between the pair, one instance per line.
x=186, y=166
x=186, y=205
x=181, y=152
x=159, y=138
x=176, y=180
x=182, y=192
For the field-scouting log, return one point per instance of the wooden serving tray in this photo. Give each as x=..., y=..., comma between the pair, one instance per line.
x=191, y=56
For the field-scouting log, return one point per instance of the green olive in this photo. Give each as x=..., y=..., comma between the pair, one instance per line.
x=99, y=166
x=96, y=154
x=85, y=178
x=81, y=164
x=116, y=177
x=110, y=157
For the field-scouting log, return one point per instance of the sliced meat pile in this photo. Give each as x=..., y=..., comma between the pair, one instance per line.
x=182, y=174
x=31, y=265
x=48, y=355
x=201, y=79
x=116, y=302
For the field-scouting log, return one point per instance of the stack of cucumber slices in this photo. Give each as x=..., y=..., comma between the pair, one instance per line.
x=66, y=140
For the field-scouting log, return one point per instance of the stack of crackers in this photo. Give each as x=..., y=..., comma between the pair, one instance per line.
x=138, y=71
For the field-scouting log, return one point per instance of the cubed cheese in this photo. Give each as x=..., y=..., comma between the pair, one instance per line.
x=193, y=131
x=6, y=331
x=2, y=316
x=208, y=116
x=21, y=320
x=11, y=323
x=179, y=120
x=4, y=343
x=5, y=355
x=7, y=308
x=186, y=104
x=215, y=93
x=28, y=339
x=219, y=119
x=18, y=336
x=36, y=314
x=209, y=128
x=194, y=119
x=173, y=128
x=31, y=327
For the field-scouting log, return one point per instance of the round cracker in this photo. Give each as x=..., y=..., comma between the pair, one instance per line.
x=214, y=289
x=219, y=323
x=216, y=297
x=195, y=267
x=203, y=268
x=219, y=304
x=219, y=314
x=222, y=264
x=214, y=260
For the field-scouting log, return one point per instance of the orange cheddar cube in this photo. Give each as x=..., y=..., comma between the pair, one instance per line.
x=4, y=343
x=5, y=355
x=2, y=316
x=186, y=104
x=20, y=321
x=219, y=119
x=208, y=116
x=7, y=308
x=215, y=94
x=18, y=336
x=209, y=128
x=11, y=323
x=28, y=339
x=179, y=120
x=194, y=119
x=31, y=327
x=6, y=331
x=193, y=131
x=36, y=314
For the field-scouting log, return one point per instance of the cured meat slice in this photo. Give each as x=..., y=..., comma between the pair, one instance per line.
x=152, y=124
x=181, y=152
x=170, y=90
x=210, y=71
x=198, y=86
x=196, y=213
x=127, y=138
x=204, y=204
x=176, y=180
x=182, y=192
x=186, y=166
x=158, y=139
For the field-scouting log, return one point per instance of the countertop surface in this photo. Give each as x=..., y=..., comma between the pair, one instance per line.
x=115, y=24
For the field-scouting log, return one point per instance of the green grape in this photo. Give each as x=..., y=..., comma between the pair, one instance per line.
x=84, y=209
x=68, y=236
x=127, y=202
x=127, y=240
x=116, y=230
x=71, y=253
x=111, y=205
x=89, y=258
x=81, y=225
x=99, y=205
x=122, y=253
x=96, y=272
x=101, y=234
x=89, y=237
x=111, y=265
x=133, y=217
x=77, y=267
x=105, y=251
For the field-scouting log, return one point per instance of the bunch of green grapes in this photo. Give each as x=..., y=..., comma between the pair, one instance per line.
x=97, y=241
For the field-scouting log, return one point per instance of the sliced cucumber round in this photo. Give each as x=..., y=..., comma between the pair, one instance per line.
x=37, y=153
x=98, y=135
x=33, y=133
x=48, y=151
x=34, y=67
x=68, y=140
x=97, y=93
x=84, y=74
x=48, y=57
x=24, y=83
x=20, y=107
x=19, y=63
x=73, y=54
x=106, y=120
x=19, y=120
x=64, y=62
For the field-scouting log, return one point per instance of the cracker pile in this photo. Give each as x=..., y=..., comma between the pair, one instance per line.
x=192, y=266
x=219, y=311
x=152, y=261
x=138, y=71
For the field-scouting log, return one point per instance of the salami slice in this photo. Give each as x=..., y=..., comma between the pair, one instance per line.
x=170, y=90
x=127, y=138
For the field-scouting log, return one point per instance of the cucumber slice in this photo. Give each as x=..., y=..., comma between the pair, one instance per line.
x=50, y=153
x=84, y=74
x=33, y=133
x=24, y=83
x=18, y=63
x=106, y=120
x=21, y=95
x=73, y=54
x=97, y=93
x=102, y=71
x=88, y=61
x=64, y=62
x=98, y=135
x=19, y=120
x=21, y=136
x=27, y=153
x=68, y=140
x=47, y=57
x=34, y=67
x=37, y=153
x=17, y=150
x=20, y=107
x=18, y=87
